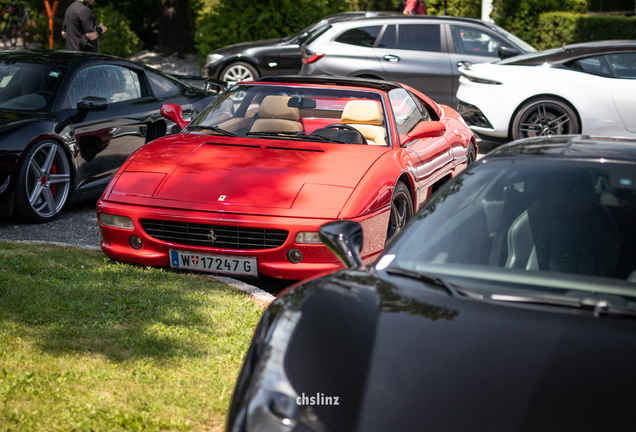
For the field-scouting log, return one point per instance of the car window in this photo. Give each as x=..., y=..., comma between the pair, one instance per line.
x=29, y=87
x=596, y=65
x=361, y=36
x=161, y=86
x=419, y=37
x=406, y=111
x=472, y=41
x=624, y=65
x=114, y=83
x=389, y=38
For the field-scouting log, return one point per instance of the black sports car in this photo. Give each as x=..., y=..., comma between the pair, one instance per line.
x=248, y=61
x=507, y=304
x=68, y=120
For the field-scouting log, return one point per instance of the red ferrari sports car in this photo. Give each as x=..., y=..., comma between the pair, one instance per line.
x=244, y=187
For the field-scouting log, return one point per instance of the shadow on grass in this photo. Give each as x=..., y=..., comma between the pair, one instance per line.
x=69, y=300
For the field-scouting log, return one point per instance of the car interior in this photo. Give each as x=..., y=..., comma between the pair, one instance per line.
x=27, y=87
x=573, y=220
x=343, y=116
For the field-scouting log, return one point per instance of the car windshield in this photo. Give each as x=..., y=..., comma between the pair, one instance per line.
x=525, y=46
x=301, y=113
x=28, y=87
x=569, y=222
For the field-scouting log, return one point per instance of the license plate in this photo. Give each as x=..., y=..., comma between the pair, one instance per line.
x=228, y=264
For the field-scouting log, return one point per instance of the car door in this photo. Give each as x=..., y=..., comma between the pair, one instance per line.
x=474, y=45
x=432, y=158
x=412, y=54
x=624, y=87
x=106, y=138
x=352, y=53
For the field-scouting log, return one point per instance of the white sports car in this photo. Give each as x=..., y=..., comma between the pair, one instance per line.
x=587, y=88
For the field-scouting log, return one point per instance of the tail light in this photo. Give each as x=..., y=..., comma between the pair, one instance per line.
x=314, y=58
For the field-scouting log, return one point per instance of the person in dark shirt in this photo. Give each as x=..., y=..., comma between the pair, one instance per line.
x=79, y=27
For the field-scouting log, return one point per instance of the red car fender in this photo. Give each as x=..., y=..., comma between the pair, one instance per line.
x=375, y=189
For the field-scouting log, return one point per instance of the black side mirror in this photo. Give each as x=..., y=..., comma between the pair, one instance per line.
x=506, y=52
x=303, y=38
x=92, y=103
x=344, y=240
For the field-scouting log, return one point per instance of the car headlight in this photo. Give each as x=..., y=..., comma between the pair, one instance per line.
x=308, y=237
x=122, y=222
x=213, y=58
x=480, y=80
x=273, y=405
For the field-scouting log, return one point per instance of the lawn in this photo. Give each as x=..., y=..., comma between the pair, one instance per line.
x=90, y=344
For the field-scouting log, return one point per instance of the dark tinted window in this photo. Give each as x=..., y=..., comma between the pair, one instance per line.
x=161, y=87
x=389, y=39
x=361, y=36
x=596, y=65
x=420, y=37
x=112, y=82
x=624, y=65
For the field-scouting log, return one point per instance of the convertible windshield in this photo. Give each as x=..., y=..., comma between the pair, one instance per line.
x=296, y=113
x=28, y=87
x=519, y=218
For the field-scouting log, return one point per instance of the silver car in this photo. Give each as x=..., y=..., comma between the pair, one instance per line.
x=423, y=52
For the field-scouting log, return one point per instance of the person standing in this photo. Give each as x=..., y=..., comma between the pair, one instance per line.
x=414, y=7
x=79, y=27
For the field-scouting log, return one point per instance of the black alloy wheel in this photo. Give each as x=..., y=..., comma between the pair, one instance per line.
x=470, y=155
x=401, y=211
x=546, y=116
x=44, y=183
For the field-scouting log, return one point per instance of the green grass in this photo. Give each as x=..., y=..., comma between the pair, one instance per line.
x=90, y=344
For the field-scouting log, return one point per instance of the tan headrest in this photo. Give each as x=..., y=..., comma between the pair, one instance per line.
x=276, y=107
x=362, y=112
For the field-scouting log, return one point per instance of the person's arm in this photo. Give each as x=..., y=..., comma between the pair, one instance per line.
x=99, y=30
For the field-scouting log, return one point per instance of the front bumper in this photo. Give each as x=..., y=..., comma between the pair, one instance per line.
x=271, y=262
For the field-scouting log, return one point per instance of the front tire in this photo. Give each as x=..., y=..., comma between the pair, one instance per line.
x=545, y=116
x=401, y=211
x=239, y=71
x=44, y=183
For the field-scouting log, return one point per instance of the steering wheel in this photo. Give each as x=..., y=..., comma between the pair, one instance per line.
x=346, y=127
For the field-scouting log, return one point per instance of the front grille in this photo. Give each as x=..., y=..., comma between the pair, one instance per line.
x=473, y=115
x=227, y=237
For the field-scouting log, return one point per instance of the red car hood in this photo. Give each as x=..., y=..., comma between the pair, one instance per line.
x=246, y=176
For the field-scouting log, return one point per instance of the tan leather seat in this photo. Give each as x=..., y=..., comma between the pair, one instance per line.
x=275, y=116
x=366, y=116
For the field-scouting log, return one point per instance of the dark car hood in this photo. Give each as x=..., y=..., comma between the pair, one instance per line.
x=441, y=363
x=239, y=47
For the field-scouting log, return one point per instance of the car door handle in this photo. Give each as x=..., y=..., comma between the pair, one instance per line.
x=391, y=58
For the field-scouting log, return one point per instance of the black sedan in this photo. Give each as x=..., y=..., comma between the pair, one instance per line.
x=248, y=61
x=507, y=304
x=68, y=120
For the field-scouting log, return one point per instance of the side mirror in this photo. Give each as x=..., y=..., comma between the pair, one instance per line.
x=174, y=113
x=506, y=52
x=426, y=129
x=344, y=240
x=303, y=38
x=92, y=103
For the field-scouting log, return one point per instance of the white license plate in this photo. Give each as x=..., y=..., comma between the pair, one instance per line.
x=229, y=264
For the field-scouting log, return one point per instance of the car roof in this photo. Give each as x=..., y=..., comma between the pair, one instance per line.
x=569, y=147
x=358, y=15
x=332, y=80
x=570, y=52
x=53, y=57
x=407, y=18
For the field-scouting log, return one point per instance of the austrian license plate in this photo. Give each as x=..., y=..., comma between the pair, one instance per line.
x=229, y=264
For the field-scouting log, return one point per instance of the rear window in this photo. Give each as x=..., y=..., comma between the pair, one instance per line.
x=419, y=37
x=361, y=36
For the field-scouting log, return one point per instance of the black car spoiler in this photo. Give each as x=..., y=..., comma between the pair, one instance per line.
x=207, y=84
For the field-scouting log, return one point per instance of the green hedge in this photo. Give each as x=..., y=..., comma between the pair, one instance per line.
x=556, y=29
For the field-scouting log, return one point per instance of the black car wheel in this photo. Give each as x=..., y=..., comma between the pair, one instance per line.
x=240, y=71
x=471, y=156
x=545, y=116
x=44, y=183
x=401, y=211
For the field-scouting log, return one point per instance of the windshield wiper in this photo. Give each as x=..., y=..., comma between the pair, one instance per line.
x=212, y=128
x=434, y=280
x=302, y=135
x=598, y=306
